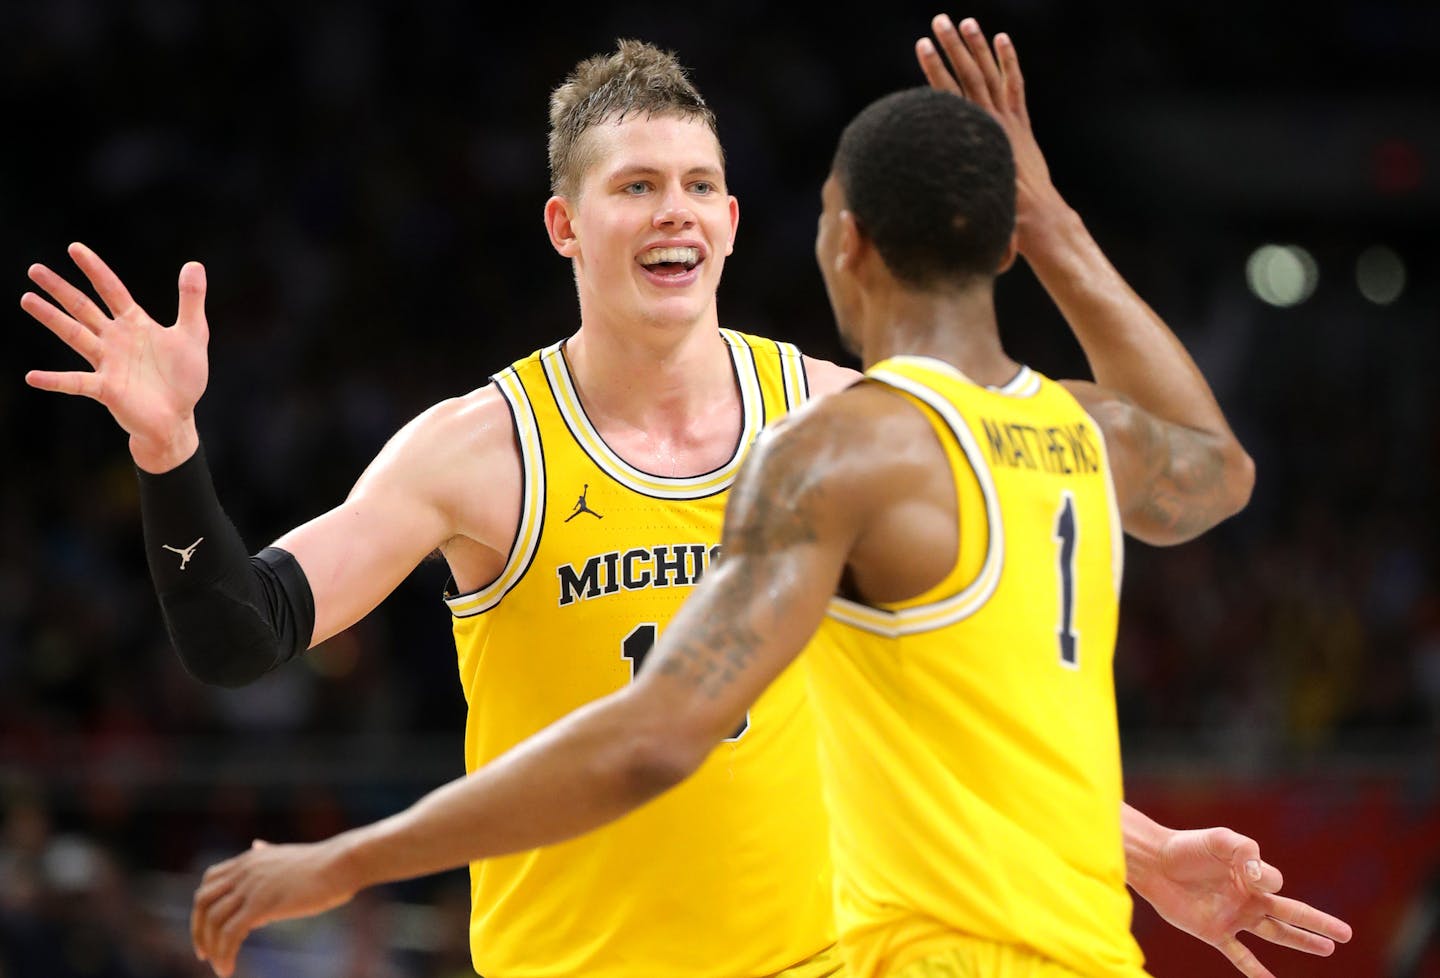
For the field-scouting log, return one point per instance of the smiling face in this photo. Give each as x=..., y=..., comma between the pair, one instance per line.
x=651, y=224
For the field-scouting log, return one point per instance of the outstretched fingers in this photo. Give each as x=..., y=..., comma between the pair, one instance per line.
x=1013, y=80
x=1296, y=938
x=1301, y=915
x=934, y=69
x=71, y=331
x=979, y=48
x=967, y=70
x=76, y=303
x=78, y=382
x=1244, y=961
x=112, y=291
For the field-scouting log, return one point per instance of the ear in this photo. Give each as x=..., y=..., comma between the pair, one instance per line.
x=734, y=225
x=853, y=244
x=1012, y=250
x=560, y=224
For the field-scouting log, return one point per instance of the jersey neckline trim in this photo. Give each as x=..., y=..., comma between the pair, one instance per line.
x=1025, y=383
x=567, y=400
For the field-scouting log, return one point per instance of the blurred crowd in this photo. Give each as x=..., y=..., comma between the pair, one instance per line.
x=364, y=183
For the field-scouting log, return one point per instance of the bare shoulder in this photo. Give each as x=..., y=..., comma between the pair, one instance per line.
x=459, y=455
x=474, y=428
x=826, y=377
x=848, y=453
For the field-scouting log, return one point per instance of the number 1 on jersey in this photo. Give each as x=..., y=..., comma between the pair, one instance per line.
x=637, y=646
x=1066, y=533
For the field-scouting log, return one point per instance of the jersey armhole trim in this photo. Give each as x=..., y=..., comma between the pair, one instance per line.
x=792, y=373
x=969, y=599
x=532, y=503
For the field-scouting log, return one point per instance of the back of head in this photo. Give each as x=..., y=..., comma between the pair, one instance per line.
x=637, y=79
x=930, y=179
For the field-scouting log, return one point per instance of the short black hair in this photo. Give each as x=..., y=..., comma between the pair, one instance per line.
x=930, y=178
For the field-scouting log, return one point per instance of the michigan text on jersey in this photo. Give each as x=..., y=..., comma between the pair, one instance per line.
x=666, y=565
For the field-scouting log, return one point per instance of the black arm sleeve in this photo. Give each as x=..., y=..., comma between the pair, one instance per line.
x=232, y=617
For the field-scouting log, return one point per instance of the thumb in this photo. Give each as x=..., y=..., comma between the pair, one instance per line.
x=1243, y=855
x=259, y=844
x=192, y=297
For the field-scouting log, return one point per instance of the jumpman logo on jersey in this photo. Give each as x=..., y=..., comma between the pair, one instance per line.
x=582, y=507
x=185, y=554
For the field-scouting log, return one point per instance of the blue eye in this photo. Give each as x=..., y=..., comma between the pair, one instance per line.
x=637, y=188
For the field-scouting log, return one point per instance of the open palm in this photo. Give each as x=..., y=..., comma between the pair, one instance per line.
x=149, y=376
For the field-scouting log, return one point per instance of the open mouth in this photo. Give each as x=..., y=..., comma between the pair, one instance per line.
x=670, y=261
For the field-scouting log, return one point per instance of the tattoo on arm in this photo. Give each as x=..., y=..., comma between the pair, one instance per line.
x=1188, y=494
x=710, y=659
x=772, y=511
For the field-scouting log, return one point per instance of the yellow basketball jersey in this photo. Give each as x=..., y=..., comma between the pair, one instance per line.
x=729, y=874
x=968, y=737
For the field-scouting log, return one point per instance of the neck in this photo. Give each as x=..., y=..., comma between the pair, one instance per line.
x=956, y=326
x=652, y=378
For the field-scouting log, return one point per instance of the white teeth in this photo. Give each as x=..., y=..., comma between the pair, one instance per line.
x=689, y=257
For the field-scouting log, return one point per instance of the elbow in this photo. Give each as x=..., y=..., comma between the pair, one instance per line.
x=1242, y=481
x=224, y=665
x=219, y=648
x=224, y=675
x=657, y=760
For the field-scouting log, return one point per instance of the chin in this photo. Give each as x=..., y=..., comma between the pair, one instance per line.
x=677, y=312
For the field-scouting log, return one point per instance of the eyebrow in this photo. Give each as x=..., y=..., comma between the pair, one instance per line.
x=707, y=171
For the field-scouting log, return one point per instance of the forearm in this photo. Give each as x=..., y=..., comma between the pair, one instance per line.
x=230, y=616
x=1128, y=346
x=588, y=769
x=1144, y=838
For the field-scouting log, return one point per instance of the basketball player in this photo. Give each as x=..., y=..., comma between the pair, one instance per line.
x=642, y=417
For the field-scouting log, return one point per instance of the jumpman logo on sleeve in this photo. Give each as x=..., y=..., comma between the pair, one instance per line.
x=185, y=554
x=582, y=507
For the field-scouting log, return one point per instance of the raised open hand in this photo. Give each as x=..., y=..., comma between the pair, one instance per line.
x=149, y=376
x=992, y=80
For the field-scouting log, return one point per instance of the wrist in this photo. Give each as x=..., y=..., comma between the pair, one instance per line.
x=351, y=859
x=160, y=456
x=1145, y=841
x=1049, y=229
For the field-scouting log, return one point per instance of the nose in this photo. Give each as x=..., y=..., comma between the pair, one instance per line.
x=674, y=210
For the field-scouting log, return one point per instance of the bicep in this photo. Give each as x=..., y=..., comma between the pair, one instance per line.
x=458, y=458
x=357, y=553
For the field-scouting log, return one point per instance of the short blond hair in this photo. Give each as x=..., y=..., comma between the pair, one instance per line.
x=636, y=79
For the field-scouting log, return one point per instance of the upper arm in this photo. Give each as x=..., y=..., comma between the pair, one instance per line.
x=1172, y=483
x=789, y=528
x=404, y=506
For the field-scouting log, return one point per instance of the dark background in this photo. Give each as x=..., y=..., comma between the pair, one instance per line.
x=364, y=183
